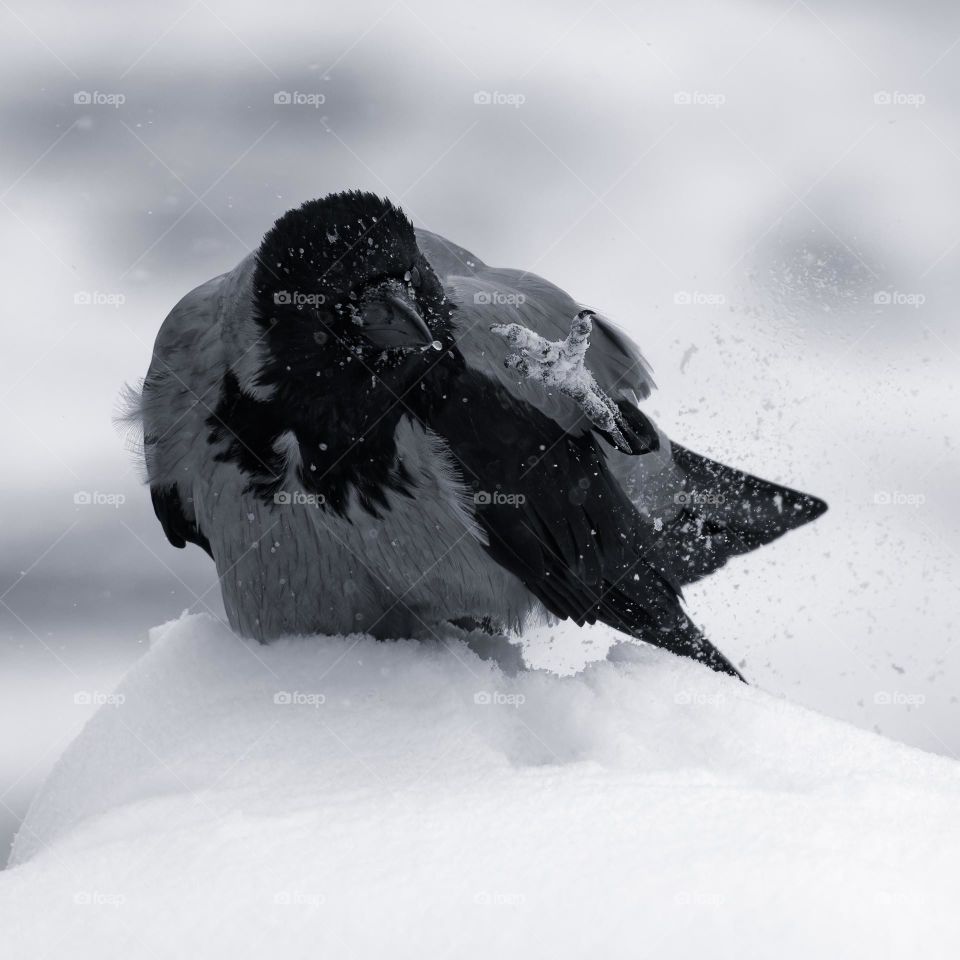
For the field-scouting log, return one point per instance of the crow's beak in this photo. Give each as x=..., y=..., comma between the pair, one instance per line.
x=391, y=320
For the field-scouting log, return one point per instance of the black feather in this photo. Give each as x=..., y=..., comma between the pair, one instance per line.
x=554, y=514
x=727, y=513
x=169, y=510
x=246, y=431
x=637, y=430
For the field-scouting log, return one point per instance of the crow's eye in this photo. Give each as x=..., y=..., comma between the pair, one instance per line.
x=412, y=276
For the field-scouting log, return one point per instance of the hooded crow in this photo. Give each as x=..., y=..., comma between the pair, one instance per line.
x=369, y=429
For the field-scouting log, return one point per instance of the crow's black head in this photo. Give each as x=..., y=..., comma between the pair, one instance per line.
x=357, y=333
x=341, y=286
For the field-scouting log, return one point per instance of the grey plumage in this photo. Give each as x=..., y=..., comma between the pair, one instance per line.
x=290, y=568
x=290, y=563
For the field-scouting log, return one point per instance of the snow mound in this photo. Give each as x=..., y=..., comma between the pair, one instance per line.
x=348, y=798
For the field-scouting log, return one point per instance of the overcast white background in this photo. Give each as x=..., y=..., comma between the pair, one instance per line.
x=764, y=194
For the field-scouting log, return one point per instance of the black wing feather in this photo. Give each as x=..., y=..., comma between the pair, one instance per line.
x=727, y=513
x=558, y=519
x=556, y=516
x=179, y=529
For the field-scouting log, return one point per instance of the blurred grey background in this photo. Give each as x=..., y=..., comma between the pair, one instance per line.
x=763, y=193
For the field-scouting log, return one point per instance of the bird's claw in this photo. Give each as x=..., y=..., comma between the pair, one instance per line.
x=561, y=364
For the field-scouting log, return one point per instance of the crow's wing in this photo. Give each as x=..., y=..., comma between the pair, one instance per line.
x=702, y=512
x=196, y=346
x=556, y=518
x=491, y=295
x=709, y=512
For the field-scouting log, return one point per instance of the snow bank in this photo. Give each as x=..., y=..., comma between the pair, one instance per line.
x=342, y=797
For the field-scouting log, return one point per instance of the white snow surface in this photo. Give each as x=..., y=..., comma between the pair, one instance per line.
x=341, y=797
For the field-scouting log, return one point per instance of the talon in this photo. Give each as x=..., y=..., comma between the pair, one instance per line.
x=562, y=364
x=580, y=328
